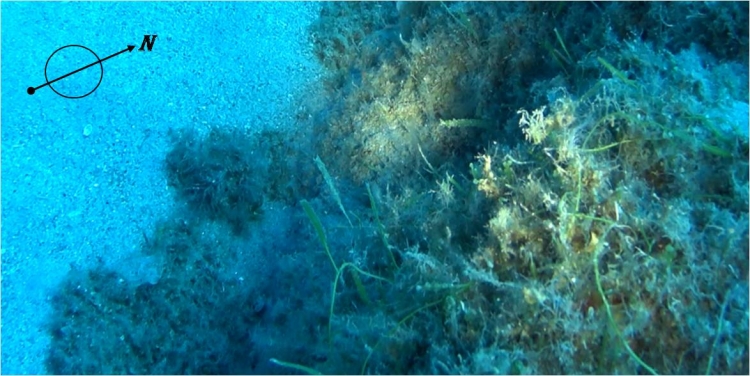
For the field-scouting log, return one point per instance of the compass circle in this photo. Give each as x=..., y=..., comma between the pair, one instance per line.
x=67, y=59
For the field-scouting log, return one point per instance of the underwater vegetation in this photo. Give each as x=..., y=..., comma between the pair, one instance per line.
x=216, y=175
x=484, y=188
x=193, y=319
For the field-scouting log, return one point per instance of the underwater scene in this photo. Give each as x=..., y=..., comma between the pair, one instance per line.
x=375, y=188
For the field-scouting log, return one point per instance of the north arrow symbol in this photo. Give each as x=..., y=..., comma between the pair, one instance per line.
x=32, y=90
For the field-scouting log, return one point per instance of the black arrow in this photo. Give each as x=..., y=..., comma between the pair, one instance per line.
x=31, y=90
